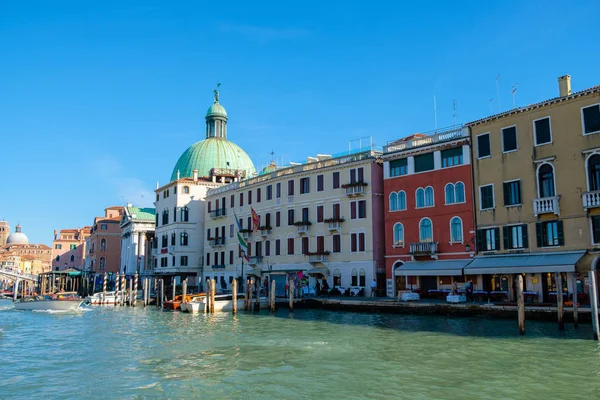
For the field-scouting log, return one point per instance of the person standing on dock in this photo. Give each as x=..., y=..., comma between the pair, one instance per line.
x=469, y=290
x=373, y=288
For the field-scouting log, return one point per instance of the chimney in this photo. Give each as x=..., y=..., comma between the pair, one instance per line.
x=195, y=175
x=129, y=205
x=564, y=85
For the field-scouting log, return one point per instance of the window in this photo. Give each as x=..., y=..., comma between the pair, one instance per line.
x=425, y=230
x=291, y=217
x=354, y=281
x=269, y=192
x=361, y=241
x=593, y=172
x=209, y=205
x=184, y=239
x=595, y=221
x=515, y=237
x=456, y=230
x=73, y=246
x=459, y=190
x=185, y=214
x=362, y=275
x=353, y=210
x=165, y=217
x=258, y=193
x=232, y=201
x=401, y=200
x=353, y=242
x=183, y=261
x=290, y=188
x=337, y=277
x=165, y=241
x=429, y=196
x=230, y=256
x=590, y=117
x=57, y=258
x=486, y=197
x=483, y=145
x=305, y=249
x=420, y=197
x=72, y=258
x=509, y=139
x=249, y=196
x=488, y=239
x=241, y=199
x=393, y=201
x=542, y=133
x=278, y=190
x=105, y=227
x=362, y=209
x=278, y=218
x=452, y=157
x=230, y=230
x=549, y=233
x=267, y=248
x=398, y=167
x=186, y=190
x=58, y=246
x=268, y=219
x=103, y=244
x=207, y=259
x=320, y=213
x=304, y=185
x=336, y=180
x=546, y=180
x=512, y=193
x=320, y=244
x=337, y=243
x=305, y=217
x=102, y=263
x=424, y=162
x=290, y=246
x=398, y=234
x=173, y=240
x=450, y=194
x=320, y=185
x=277, y=247
x=336, y=210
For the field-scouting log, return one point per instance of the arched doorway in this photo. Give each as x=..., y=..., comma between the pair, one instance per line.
x=399, y=280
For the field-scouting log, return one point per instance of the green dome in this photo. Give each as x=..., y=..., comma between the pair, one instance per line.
x=268, y=169
x=216, y=110
x=212, y=153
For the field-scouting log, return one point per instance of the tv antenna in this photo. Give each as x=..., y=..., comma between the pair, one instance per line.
x=453, y=111
x=498, y=92
x=513, y=91
x=491, y=100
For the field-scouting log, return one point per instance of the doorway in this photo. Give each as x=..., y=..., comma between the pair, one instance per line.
x=428, y=283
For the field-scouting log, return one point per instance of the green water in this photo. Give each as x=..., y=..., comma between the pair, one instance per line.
x=126, y=353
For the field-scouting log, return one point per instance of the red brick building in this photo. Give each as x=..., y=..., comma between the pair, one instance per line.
x=429, y=228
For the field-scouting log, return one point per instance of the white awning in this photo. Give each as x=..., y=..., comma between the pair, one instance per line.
x=318, y=271
x=432, y=268
x=524, y=263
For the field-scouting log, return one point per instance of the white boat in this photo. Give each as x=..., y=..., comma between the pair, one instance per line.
x=222, y=303
x=68, y=301
x=101, y=298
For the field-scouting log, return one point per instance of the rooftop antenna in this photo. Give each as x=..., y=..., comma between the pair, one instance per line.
x=491, y=100
x=513, y=91
x=272, y=158
x=434, y=112
x=498, y=92
x=453, y=111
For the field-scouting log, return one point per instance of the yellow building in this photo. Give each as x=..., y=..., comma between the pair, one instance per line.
x=537, y=194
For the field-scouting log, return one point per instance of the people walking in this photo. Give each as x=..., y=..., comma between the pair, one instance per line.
x=469, y=291
x=373, y=288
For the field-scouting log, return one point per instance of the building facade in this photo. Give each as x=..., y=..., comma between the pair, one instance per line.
x=429, y=227
x=68, y=248
x=137, y=233
x=18, y=253
x=4, y=232
x=537, y=181
x=104, y=243
x=321, y=221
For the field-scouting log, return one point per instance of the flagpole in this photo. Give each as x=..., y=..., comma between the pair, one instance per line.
x=242, y=283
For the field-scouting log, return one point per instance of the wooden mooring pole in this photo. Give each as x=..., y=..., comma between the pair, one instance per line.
x=213, y=284
x=257, y=300
x=234, y=295
x=575, y=305
x=521, y=304
x=250, y=293
x=131, y=294
x=162, y=293
x=123, y=288
x=184, y=290
x=559, y=300
x=594, y=303
x=174, y=283
x=291, y=293
x=272, y=295
x=135, y=289
x=208, y=296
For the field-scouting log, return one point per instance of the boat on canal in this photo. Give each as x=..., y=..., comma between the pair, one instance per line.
x=222, y=303
x=101, y=298
x=66, y=301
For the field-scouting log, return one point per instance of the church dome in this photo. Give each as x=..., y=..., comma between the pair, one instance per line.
x=268, y=169
x=17, y=237
x=216, y=110
x=212, y=153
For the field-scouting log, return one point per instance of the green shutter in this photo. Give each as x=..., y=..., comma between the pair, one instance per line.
x=561, y=233
x=539, y=234
x=497, y=237
x=519, y=201
x=507, y=237
x=525, y=236
x=479, y=240
x=506, y=188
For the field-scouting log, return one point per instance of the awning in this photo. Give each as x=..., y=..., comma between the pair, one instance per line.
x=524, y=263
x=318, y=271
x=432, y=268
x=254, y=272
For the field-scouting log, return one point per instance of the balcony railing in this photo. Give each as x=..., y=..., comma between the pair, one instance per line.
x=217, y=242
x=218, y=266
x=255, y=260
x=317, y=258
x=218, y=213
x=439, y=136
x=265, y=232
x=303, y=229
x=356, y=190
x=591, y=199
x=246, y=234
x=424, y=248
x=546, y=205
x=335, y=226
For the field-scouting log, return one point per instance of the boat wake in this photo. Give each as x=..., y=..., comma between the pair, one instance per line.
x=5, y=308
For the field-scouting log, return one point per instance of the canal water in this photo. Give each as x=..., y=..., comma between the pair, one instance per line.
x=138, y=353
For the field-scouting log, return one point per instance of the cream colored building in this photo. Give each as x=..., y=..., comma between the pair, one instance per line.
x=320, y=219
x=537, y=193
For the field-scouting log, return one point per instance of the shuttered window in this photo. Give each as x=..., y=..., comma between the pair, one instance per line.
x=550, y=234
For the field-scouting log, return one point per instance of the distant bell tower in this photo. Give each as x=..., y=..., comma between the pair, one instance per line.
x=4, y=232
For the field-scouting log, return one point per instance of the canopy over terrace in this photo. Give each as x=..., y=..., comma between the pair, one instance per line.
x=318, y=271
x=432, y=268
x=528, y=263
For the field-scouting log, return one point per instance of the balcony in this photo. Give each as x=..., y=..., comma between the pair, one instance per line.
x=217, y=242
x=218, y=266
x=155, y=252
x=219, y=213
x=355, y=188
x=546, y=205
x=335, y=224
x=318, y=257
x=591, y=199
x=246, y=233
x=255, y=260
x=290, y=199
x=303, y=227
x=424, y=248
x=265, y=231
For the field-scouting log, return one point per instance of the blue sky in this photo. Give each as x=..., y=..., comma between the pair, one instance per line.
x=100, y=98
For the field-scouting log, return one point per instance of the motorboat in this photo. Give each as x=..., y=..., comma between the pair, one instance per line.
x=101, y=298
x=225, y=303
x=194, y=305
x=175, y=304
x=66, y=301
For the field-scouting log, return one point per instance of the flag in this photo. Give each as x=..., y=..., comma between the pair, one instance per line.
x=243, y=244
x=255, y=220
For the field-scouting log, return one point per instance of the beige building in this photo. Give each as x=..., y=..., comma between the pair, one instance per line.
x=68, y=248
x=320, y=219
x=537, y=194
x=4, y=232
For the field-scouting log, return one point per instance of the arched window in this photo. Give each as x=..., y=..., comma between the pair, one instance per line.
x=425, y=230
x=398, y=234
x=456, y=231
x=459, y=190
x=184, y=239
x=102, y=263
x=57, y=258
x=362, y=277
x=184, y=214
x=354, y=277
x=103, y=244
x=546, y=180
x=337, y=277
x=429, y=196
x=450, y=198
x=186, y=189
x=420, y=197
x=393, y=201
x=401, y=200
x=72, y=258
x=594, y=172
